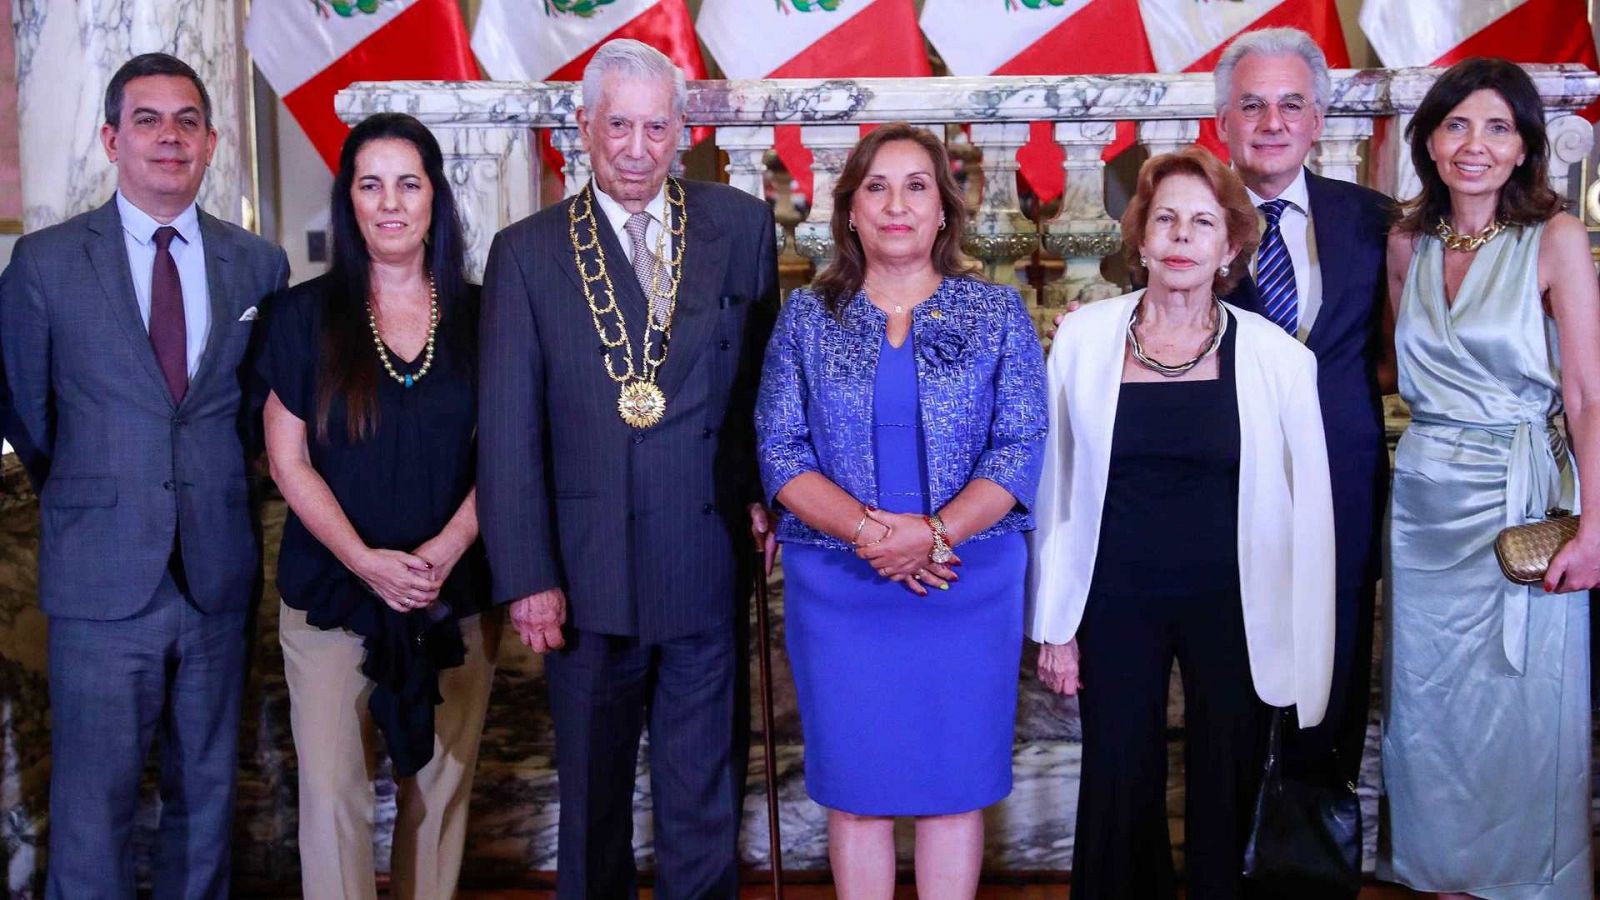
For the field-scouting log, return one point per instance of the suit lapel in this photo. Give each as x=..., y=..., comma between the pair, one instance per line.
x=699, y=292
x=219, y=252
x=108, y=254
x=1328, y=211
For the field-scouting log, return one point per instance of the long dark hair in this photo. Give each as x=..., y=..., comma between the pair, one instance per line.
x=1526, y=198
x=349, y=362
x=838, y=283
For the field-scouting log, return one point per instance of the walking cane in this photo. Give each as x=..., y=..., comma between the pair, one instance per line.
x=764, y=668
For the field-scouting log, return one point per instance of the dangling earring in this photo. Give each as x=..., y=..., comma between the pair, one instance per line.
x=852, y=224
x=1222, y=270
x=1144, y=261
x=941, y=221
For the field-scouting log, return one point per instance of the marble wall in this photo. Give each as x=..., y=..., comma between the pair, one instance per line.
x=66, y=53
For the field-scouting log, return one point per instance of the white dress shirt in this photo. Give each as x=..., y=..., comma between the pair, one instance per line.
x=618, y=217
x=1300, y=240
x=188, y=251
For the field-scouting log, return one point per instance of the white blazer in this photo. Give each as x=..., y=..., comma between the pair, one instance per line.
x=1286, y=562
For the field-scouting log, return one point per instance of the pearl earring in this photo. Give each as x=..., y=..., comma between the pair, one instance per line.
x=1223, y=270
x=941, y=222
x=852, y=224
x=1144, y=261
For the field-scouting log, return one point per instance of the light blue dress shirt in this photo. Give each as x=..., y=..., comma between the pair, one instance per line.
x=139, y=235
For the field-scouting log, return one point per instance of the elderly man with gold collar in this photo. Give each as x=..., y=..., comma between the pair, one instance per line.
x=622, y=337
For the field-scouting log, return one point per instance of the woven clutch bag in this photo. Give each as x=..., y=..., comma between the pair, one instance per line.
x=1525, y=551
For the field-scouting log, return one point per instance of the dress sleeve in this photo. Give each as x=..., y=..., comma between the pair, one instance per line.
x=1015, y=454
x=288, y=361
x=783, y=434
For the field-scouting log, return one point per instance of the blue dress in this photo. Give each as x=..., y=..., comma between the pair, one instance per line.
x=907, y=703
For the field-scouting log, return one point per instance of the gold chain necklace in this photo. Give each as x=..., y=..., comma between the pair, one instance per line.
x=640, y=402
x=410, y=378
x=1466, y=243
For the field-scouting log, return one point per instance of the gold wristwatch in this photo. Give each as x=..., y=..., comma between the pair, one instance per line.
x=941, y=551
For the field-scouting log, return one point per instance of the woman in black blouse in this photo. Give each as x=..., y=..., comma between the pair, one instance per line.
x=370, y=429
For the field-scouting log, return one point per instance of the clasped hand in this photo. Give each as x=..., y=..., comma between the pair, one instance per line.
x=405, y=582
x=898, y=547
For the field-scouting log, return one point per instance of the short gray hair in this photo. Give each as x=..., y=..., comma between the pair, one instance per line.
x=1274, y=42
x=633, y=59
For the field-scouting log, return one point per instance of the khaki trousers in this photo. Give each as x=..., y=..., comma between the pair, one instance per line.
x=335, y=742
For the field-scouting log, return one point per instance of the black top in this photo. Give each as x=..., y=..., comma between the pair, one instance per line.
x=1171, y=515
x=399, y=487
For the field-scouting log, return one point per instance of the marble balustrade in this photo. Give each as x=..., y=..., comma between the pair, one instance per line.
x=486, y=128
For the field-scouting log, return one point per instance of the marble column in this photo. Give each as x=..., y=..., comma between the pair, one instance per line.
x=67, y=51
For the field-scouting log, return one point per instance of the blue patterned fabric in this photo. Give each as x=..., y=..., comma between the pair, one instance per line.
x=1280, y=300
x=980, y=383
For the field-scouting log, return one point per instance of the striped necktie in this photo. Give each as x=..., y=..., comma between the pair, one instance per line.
x=1280, y=299
x=652, y=272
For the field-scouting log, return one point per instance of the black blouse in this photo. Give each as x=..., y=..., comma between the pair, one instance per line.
x=399, y=488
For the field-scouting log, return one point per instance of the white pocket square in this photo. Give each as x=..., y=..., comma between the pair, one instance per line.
x=249, y=315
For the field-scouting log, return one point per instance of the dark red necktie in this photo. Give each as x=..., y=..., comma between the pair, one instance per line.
x=167, y=331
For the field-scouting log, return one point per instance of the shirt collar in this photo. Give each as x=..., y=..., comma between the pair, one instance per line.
x=1298, y=195
x=142, y=227
x=618, y=216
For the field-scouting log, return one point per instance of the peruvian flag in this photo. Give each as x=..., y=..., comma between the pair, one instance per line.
x=812, y=39
x=1442, y=32
x=552, y=40
x=309, y=50
x=1190, y=35
x=1041, y=37
x=1096, y=37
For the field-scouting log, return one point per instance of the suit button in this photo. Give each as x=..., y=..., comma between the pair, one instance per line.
x=166, y=485
x=180, y=422
x=709, y=433
x=724, y=344
x=638, y=438
x=708, y=509
x=602, y=349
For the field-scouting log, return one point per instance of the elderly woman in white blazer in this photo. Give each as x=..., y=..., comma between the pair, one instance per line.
x=1184, y=513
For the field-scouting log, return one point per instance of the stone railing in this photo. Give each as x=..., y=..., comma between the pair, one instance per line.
x=487, y=131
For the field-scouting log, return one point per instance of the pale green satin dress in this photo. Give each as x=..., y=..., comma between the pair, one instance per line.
x=1486, y=726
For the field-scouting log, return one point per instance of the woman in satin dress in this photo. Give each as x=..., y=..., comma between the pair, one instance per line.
x=1486, y=731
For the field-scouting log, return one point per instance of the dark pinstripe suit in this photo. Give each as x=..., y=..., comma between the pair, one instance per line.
x=644, y=530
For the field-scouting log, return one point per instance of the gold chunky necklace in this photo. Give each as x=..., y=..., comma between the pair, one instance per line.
x=1466, y=243
x=410, y=378
x=640, y=402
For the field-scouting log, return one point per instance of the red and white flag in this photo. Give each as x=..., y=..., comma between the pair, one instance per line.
x=309, y=50
x=1092, y=37
x=1041, y=37
x=812, y=39
x=552, y=40
x=1442, y=32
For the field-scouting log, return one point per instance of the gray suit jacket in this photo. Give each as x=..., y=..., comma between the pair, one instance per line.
x=642, y=529
x=120, y=469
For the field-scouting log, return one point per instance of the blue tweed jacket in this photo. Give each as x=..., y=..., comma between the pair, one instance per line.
x=980, y=382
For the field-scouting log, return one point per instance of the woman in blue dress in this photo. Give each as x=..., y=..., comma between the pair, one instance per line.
x=901, y=424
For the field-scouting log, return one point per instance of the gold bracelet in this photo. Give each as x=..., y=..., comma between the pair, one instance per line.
x=855, y=539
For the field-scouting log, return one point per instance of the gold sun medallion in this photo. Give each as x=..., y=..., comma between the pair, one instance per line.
x=641, y=404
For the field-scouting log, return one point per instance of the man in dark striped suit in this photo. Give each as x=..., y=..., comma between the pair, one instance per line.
x=622, y=338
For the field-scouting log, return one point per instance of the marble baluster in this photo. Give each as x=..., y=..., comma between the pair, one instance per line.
x=747, y=147
x=1083, y=233
x=829, y=146
x=998, y=233
x=492, y=175
x=1570, y=138
x=1338, y=153
x=67, y=51
x=575, y=169
x=1166, y=135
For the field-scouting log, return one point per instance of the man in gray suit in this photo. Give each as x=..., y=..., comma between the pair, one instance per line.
x=124, y=334
x=621, y=346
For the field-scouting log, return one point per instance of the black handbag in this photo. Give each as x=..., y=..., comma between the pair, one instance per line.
x=1302, y=831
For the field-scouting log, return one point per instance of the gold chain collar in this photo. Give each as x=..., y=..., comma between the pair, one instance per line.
x=1467, y=243
x=640, y=402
